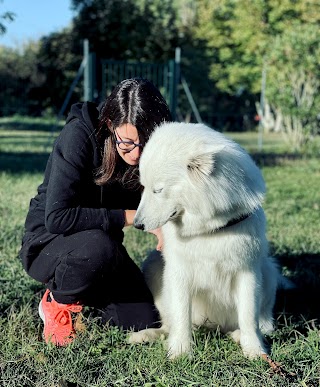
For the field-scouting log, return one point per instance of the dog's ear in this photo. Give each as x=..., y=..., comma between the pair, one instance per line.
x=202, y=165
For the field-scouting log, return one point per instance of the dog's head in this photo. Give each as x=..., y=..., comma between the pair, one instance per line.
x=192, y=170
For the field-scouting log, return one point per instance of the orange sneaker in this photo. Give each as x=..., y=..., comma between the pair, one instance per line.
x=58, y=326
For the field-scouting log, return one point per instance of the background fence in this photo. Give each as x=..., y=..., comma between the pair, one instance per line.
x=102, y=75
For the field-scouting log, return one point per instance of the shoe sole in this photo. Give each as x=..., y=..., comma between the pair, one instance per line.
x=41, y=314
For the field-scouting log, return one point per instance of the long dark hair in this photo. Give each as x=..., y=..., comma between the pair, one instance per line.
x=134, y=101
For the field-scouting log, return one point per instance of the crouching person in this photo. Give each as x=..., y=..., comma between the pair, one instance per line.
x=73, y=241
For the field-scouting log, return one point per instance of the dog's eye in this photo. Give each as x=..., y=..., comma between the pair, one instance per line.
x=157, y=190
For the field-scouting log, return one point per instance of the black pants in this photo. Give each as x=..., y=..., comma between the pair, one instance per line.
x=94, y=268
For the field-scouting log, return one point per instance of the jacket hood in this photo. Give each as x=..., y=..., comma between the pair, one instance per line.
x=87, y=112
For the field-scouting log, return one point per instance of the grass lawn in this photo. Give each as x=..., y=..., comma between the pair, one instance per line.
x=100, y=356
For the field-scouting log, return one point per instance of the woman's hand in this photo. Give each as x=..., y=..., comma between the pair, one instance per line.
x=129, y=216
x=158, y=233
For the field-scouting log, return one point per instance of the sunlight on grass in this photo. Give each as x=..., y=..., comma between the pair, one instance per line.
x=293, y=207
x=271, y=142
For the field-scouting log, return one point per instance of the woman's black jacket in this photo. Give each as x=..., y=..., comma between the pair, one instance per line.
x=68, y=200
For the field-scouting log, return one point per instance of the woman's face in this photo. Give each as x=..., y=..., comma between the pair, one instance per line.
x=128, y=132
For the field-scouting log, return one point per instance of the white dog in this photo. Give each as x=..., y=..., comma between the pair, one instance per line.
x=205, y=192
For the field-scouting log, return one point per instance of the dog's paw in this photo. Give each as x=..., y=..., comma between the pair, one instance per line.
x=178, y=349
x=253, y=353
x=146, y=335
x=176, y=354
x=252, y=345
x=137, y=337
x=235, y=335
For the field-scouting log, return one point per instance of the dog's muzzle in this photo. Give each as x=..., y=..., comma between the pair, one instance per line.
x=139, y=226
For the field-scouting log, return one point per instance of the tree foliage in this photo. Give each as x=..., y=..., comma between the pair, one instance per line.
x=130, y=29
x=5, y=17
x=20, y=80
x=58, y=59
x=294, y=86
x=240, y=34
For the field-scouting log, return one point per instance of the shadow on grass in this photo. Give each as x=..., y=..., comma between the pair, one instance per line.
x=16, y=162
x=32, y=125
x=275, y=159
x=23, y=162
x=301, y=303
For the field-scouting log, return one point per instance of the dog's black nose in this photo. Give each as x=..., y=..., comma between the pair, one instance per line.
x=139, y=226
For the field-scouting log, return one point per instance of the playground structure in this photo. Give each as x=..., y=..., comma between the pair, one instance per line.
x=101, y=75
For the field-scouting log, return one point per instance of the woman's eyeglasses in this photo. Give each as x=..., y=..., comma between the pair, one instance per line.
x=126, y=146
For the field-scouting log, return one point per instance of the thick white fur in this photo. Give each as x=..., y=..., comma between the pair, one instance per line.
x=195, y=181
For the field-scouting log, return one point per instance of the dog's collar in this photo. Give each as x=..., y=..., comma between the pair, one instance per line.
x=233, y=221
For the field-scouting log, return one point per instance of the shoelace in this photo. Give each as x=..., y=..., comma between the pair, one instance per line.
x=63, y=316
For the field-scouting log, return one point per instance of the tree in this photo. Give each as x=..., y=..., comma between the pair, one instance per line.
x=4, y=18
x=240, y=33
x=240, y=36
x=293, y=88
x=58, y=60
x=131, y=29
x=19, y=79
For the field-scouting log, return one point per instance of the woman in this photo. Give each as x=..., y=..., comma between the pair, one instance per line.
x=73, y=238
